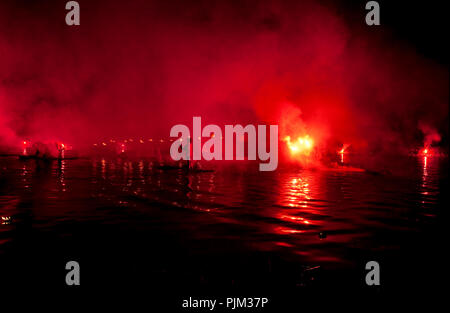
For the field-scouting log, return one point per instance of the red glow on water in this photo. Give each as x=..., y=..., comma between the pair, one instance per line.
x=286, y=230
x=284, y=244
x=296, y=219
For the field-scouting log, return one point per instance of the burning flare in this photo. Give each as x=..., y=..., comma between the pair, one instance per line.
x=425, y=151
x=343, y=151
x=301, y=146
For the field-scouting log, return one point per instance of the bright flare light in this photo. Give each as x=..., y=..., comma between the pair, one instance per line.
x=25, y=143
x=301, y=146
x=425, y=152
x=342, y=151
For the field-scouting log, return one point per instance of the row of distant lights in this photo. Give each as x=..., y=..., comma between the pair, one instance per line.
x=142, y=141
x=27, y=143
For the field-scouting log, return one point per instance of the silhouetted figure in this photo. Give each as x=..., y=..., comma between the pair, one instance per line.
x=187, y=148
x=41, y=151
x=60, y=148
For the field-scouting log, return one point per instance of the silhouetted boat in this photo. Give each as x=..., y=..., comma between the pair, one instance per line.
x=174, y=167
x=45, y=158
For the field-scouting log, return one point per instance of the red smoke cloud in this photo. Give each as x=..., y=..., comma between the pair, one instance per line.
x=136, y=69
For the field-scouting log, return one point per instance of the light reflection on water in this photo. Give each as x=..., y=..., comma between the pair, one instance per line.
x=429, y=190
x=317, y=215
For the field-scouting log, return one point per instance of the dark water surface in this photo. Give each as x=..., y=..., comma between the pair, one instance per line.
x=236, y=229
